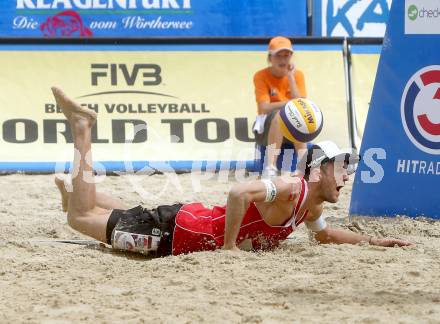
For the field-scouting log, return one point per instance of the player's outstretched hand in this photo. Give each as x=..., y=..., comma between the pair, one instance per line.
x=390, y=242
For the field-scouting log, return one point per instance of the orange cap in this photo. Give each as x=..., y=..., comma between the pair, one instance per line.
x=279, y=43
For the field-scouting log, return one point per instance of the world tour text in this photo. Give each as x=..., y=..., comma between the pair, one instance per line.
x=205, y=130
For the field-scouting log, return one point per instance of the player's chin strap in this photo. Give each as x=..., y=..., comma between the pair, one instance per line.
x=317, y=225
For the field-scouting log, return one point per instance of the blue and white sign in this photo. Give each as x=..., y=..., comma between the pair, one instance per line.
x=400, y=171
x=350, y=18
x=139, y=18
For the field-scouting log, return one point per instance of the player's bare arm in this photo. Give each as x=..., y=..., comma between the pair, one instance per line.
x=340, y=236
x=268, y=194
x=239, y=198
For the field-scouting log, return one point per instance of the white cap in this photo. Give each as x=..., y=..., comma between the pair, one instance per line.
x=325, y=151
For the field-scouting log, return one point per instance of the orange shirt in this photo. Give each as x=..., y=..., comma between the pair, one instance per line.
x=269, y=88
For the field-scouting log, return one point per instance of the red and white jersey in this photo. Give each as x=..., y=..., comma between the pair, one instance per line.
x=202, y=229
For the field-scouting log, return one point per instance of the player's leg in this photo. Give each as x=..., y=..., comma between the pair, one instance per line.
x=83, y=213
x=274, y=142
x=102, y=200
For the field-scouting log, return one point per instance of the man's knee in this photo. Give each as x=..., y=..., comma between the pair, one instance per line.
x=72, y=220
x=76, y=219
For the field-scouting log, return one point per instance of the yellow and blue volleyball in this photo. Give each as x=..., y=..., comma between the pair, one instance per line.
x=300, y=120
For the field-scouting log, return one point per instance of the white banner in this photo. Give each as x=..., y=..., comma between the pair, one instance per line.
x=422, y=17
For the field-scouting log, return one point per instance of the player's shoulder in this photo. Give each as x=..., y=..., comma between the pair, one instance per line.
x=289, y=178
x=288, y=186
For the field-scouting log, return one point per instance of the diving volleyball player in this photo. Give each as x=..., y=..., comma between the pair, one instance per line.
x=259, y=214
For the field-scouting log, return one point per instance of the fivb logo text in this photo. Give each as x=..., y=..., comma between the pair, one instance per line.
x=104, y=4
x=150, y=73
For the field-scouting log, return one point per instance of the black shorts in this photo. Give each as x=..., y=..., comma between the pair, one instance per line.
x=140, y=220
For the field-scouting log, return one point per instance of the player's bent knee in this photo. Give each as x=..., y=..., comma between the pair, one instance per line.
x=72, y=220
x=91, y=223
x=76, y=219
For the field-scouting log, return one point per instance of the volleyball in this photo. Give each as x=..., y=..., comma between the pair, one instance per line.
x=300, y=120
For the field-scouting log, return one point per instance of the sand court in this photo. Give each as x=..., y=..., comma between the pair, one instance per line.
x=45, y=281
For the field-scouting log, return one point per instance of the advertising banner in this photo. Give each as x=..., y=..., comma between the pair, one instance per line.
x=350, y=18
x=152, y=106
x=187, y=103
x=141, y=18
x=400, y=171
x=422, y=17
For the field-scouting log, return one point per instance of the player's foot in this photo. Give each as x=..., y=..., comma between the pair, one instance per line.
x=64, y=194
x=74, y=113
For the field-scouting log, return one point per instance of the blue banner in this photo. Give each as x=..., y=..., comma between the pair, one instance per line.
x=400, y=171
x=143, y=18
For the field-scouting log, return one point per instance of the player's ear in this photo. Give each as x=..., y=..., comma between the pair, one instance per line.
x=315, y=175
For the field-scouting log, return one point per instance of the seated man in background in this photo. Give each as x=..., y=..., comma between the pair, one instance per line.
x=274, y=87
x=259, y=214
